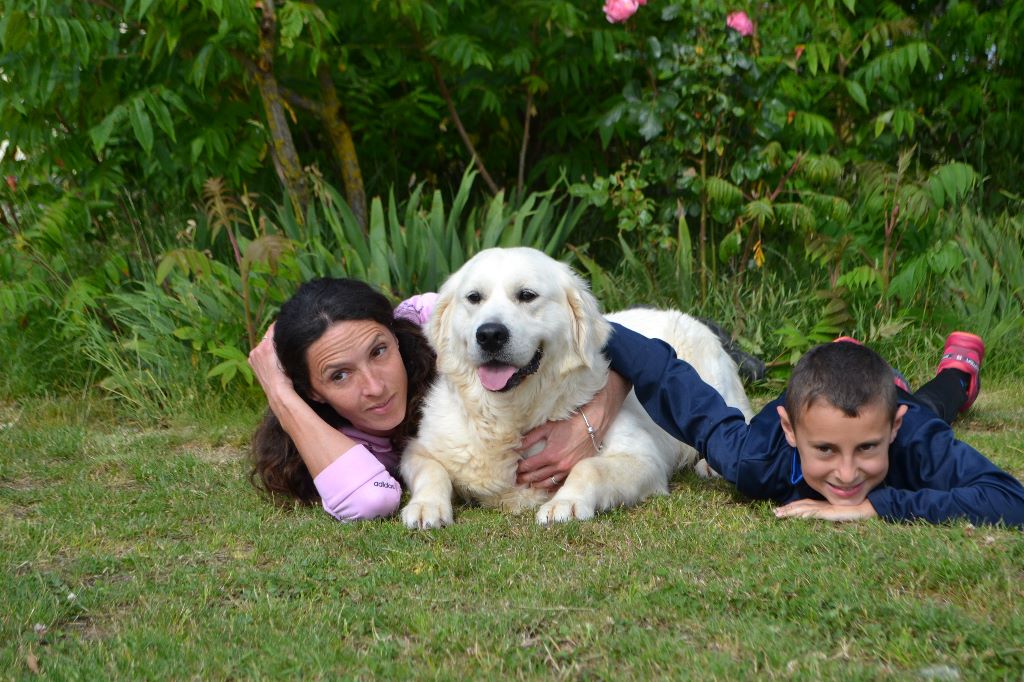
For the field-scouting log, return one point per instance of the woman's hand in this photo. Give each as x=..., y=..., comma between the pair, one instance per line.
x=566, y=442
x=267, y=368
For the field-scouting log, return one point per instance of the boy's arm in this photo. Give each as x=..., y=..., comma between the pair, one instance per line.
x=678, y=400
x=947, y=479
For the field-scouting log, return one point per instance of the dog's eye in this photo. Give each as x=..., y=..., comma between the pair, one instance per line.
x=474, y=297
x=525, y=295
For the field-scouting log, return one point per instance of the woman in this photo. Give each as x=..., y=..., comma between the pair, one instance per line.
x=344, y=377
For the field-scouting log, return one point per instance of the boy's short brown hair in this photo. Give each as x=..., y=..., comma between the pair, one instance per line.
x=847, y=375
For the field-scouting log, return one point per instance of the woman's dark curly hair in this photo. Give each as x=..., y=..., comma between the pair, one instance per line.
x=316, y=306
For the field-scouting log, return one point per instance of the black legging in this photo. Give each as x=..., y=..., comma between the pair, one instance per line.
x=944, y=395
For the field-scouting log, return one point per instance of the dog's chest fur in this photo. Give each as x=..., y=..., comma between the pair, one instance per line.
x=479, y=453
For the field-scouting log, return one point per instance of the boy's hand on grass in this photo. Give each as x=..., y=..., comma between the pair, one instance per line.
x=821, y=509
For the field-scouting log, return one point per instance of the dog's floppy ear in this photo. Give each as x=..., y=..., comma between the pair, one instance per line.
x=439, y=328
x=590, y=330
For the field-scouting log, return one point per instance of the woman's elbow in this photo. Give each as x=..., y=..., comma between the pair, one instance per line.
x=374, y=500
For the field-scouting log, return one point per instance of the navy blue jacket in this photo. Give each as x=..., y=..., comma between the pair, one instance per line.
x=932, y=476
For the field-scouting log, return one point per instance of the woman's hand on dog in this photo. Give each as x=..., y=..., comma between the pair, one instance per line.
x=567, y=441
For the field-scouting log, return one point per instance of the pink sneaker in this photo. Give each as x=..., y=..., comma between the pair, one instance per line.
x=964, y=351
x=900, y=380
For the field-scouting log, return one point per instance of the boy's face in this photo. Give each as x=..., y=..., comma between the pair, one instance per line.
x=843, y=458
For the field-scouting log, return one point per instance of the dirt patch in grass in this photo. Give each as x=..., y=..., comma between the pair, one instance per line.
x=20, y=484
x=18, y=508
x=54, y=564
x=10, y=413
x=219, y=454
x=20, y=512
x=79, y=626
x=88, y=628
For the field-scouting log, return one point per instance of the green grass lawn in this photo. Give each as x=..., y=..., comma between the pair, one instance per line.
x=134, y=552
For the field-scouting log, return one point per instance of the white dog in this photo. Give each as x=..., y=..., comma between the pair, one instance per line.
x=518, y=337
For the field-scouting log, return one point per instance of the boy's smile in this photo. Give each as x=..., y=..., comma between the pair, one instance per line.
x=843, y=458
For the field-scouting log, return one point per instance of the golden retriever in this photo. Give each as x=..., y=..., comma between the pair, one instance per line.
x=518, y=337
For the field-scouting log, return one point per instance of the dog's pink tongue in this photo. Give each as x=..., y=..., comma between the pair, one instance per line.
x=494, y=377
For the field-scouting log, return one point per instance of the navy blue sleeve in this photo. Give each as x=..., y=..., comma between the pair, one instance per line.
x=935, y=477
x=678, y=400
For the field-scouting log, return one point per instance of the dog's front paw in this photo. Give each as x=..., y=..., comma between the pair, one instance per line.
x=562, y=510
x=427, y=514
x=704, y=470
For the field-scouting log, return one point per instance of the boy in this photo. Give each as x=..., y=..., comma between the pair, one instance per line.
x=841, y=443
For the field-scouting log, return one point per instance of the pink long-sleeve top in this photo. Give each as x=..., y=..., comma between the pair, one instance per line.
x=362, y=483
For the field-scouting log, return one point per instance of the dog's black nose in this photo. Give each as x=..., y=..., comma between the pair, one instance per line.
x=492, y=336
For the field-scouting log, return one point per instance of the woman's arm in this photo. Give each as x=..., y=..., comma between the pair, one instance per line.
x=352, y=484
x=318, y=443
x=568, y=441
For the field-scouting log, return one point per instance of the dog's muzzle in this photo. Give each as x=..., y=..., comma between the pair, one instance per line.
x=496, y=375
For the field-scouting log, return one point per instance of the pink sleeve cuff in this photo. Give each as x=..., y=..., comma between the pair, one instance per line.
x=356, y=486
x=417, y=308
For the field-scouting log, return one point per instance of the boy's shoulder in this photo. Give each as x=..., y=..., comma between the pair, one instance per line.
x=768, y=467
x=920, y=426
x=926, y=452
x=767, y=418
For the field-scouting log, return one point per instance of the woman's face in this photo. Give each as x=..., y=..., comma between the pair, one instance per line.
x=356, y=368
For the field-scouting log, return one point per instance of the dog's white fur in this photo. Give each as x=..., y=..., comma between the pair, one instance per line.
x=468, y=435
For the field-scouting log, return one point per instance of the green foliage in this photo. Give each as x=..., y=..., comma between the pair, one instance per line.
x=869, y=147
x=800, y=335
x=164, y=95
x=163, y=92
x=152, y=332
x=988, y=289
x=764, y=141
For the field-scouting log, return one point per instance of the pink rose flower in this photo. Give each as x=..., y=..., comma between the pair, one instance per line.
x=617, y=11
x=740, y=22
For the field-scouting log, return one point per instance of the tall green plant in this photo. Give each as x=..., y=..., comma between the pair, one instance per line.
x=987, y=291
x=896, y=236
x=413, y=248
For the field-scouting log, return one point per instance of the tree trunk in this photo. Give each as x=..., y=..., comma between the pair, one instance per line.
x=283, y=152
x=344, y=148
